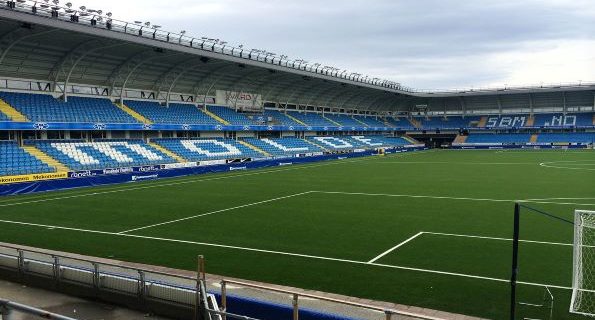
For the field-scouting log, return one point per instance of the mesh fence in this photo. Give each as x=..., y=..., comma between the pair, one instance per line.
x=583, y=295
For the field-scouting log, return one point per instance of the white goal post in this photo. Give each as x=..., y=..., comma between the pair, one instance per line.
x=583, y=273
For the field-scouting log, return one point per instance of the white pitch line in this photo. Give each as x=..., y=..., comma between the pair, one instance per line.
x=216, y=211
x=503, y=239
x=539, y=199
x=7, y=203
x=446, y=197
x=461, y=163
x=394, y=248
x=463, y=275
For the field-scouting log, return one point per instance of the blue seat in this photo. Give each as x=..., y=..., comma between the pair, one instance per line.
x=45, y=108
x=208, y=148
x=80, y=155
x=16, y=161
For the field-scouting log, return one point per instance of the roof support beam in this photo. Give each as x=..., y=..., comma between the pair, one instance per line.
x=123, y=68
x=74, y=60
x=175, y=80
x=134, y=68
x=10, y=39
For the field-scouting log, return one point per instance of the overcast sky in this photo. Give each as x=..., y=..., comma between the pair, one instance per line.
x=424, y=44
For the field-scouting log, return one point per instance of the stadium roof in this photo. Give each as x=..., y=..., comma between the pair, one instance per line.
x=62, y=45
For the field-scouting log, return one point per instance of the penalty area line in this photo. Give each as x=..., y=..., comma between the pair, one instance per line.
x=421, y=196
x=394, y=248
x=216, y=211
x=454, y=274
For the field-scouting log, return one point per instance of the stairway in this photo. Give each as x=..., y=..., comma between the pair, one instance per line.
x=413, y=141
x=530, y=121
x=255, y=148
x=482, y=122
x=415, y=123
x=32, y=150
x=134, y=114
x=295, y=119
x=214, y=116
x=594, y=119
x=363, y=123
x=460, y=139
x=333, y=122
x=167, y=152
x=533, y=138
x=11, y=112
x=315, y=144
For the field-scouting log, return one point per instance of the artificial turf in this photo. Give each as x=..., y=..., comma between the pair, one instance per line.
x=349, y=211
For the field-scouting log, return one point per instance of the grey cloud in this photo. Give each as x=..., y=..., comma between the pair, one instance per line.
x=424, y=43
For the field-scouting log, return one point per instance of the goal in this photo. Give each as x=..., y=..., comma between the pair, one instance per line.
x=583, y=282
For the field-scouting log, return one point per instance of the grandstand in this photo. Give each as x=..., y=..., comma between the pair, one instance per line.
x=342, y=166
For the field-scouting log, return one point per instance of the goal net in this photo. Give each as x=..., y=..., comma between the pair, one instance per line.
x=583, y=283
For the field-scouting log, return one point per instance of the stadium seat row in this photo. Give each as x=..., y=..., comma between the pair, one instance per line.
x=46, y=108
x=101, y=154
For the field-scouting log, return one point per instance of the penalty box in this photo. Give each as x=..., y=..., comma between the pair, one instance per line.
x=539, y=261
x=342, y=226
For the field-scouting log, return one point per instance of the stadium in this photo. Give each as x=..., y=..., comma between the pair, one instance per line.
x=190, y=179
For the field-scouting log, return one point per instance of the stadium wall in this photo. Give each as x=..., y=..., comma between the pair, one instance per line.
x=91, y=178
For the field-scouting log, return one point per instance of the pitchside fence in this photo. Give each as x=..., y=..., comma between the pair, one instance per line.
x=164, y=293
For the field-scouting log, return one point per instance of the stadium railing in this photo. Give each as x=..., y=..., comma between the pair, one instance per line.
x=163, y=292
x=295, y=296
x=8, y=309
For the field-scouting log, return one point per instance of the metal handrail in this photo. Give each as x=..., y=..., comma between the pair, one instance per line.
x=90, y=261
x=389, y=312
x=7, y=306
x=202, y=43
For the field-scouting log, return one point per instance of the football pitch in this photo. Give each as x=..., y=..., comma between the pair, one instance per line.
x=430, y=229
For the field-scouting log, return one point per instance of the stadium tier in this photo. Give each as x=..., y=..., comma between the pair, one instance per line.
x=498, y=138
x=14, y=160
x=283, y=146
x=46, y=108
x=448, y=122
x=312, y=119
x=587, y=138
x=229, y=115
x=43, y=107
x=114, y=153
x=80, y=155
x=370, y=121
x=280, y=118
x=561, y=120
x=527, y=138
x=343, y=120
x=361, y=142
x=175, y=113
x=208, y=149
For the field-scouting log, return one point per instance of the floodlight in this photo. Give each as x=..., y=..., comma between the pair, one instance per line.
x=138, y=22
x=83, y=8
x=69, y=4
x=109, y=14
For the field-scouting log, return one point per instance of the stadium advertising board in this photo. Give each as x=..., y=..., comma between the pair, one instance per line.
x=240, y=100
x=33, y=177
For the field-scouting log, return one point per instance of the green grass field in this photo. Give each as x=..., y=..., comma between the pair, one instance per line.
x=447, y=215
